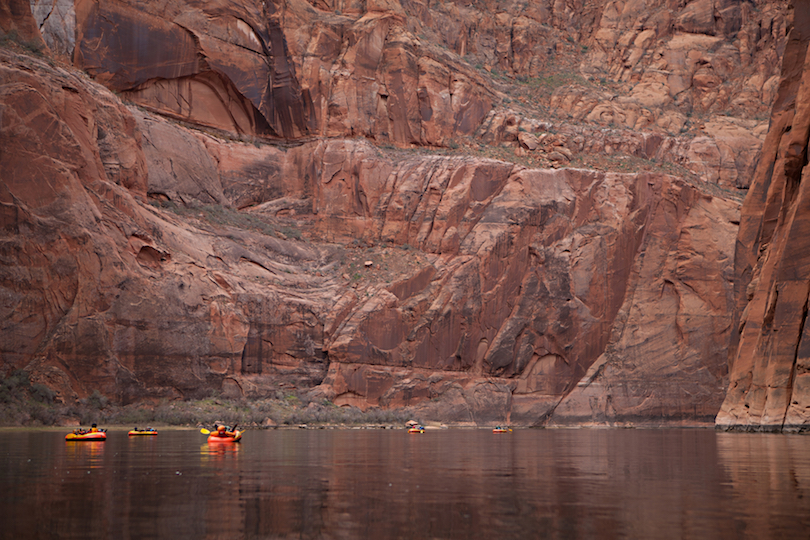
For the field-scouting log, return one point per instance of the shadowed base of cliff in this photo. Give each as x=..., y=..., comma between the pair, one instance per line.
x=23, y=403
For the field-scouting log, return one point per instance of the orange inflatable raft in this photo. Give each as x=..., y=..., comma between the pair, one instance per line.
x=214, y=438
x=86, y=436
x=136, y=432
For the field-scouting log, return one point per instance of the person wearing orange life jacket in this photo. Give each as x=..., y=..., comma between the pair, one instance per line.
x=222, y=431
x=93, y=429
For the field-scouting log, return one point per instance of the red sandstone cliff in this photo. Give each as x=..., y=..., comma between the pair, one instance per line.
x=472, y=289
x=770, y=365
x=683, y=82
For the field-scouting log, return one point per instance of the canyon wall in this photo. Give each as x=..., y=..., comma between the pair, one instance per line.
x=696, y=78
x=770, y=366
x=248, y=198
x=473, y=290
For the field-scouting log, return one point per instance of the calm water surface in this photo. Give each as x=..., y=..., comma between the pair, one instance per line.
x=389, y=484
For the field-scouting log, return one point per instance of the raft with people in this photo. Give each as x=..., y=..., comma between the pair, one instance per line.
x=222, y=434
x=138, y=432
x=92, y=434
x=414, y=426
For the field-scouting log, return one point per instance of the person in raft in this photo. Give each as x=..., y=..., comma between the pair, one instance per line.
x=222, y=431
x=93, y=429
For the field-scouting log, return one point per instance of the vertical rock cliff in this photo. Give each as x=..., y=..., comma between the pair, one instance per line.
x=769, y=355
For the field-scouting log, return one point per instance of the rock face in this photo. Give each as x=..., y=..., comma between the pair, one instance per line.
x=218, y=64
x=279, y=69
x=296, y=230
x=770, y=365
x=56, y=20
x=491, y=291
x=16, y=22
x=682, y=59
x=402, y=73
x=103, y=291
x=674, y=299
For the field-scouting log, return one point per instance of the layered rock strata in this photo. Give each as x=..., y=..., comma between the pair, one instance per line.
x=473, y=290
x=701, y=76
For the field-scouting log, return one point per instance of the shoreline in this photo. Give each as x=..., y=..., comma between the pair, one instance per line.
x=346, y=427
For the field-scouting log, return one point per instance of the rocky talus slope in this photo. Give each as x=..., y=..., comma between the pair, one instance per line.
x=483, y=211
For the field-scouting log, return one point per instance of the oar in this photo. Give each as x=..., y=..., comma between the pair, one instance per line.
x=205, y=431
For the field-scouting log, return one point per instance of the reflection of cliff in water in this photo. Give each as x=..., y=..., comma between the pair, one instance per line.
x=594, y=484
x=769, y=475
x=466, y=484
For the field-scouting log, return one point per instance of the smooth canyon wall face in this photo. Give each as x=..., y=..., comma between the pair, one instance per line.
x=211, y=212
x=769, y=357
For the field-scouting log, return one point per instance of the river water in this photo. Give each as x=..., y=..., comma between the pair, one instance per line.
x=380, y=484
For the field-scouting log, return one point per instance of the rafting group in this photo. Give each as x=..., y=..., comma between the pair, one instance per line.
x=421, y=429
x=220, y=434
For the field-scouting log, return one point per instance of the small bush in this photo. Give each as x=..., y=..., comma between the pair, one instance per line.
x=289, y=232
x=42, y=394
x=96, y=400
x=17, y=380
x=135, y=416
x=43, y=414
x=175, y=416
x=34, y=405
x=87, y=417
x=14, y=388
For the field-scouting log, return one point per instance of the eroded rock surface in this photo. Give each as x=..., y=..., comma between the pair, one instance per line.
x=699, y=77
x=667, y=372
x=475, y=290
